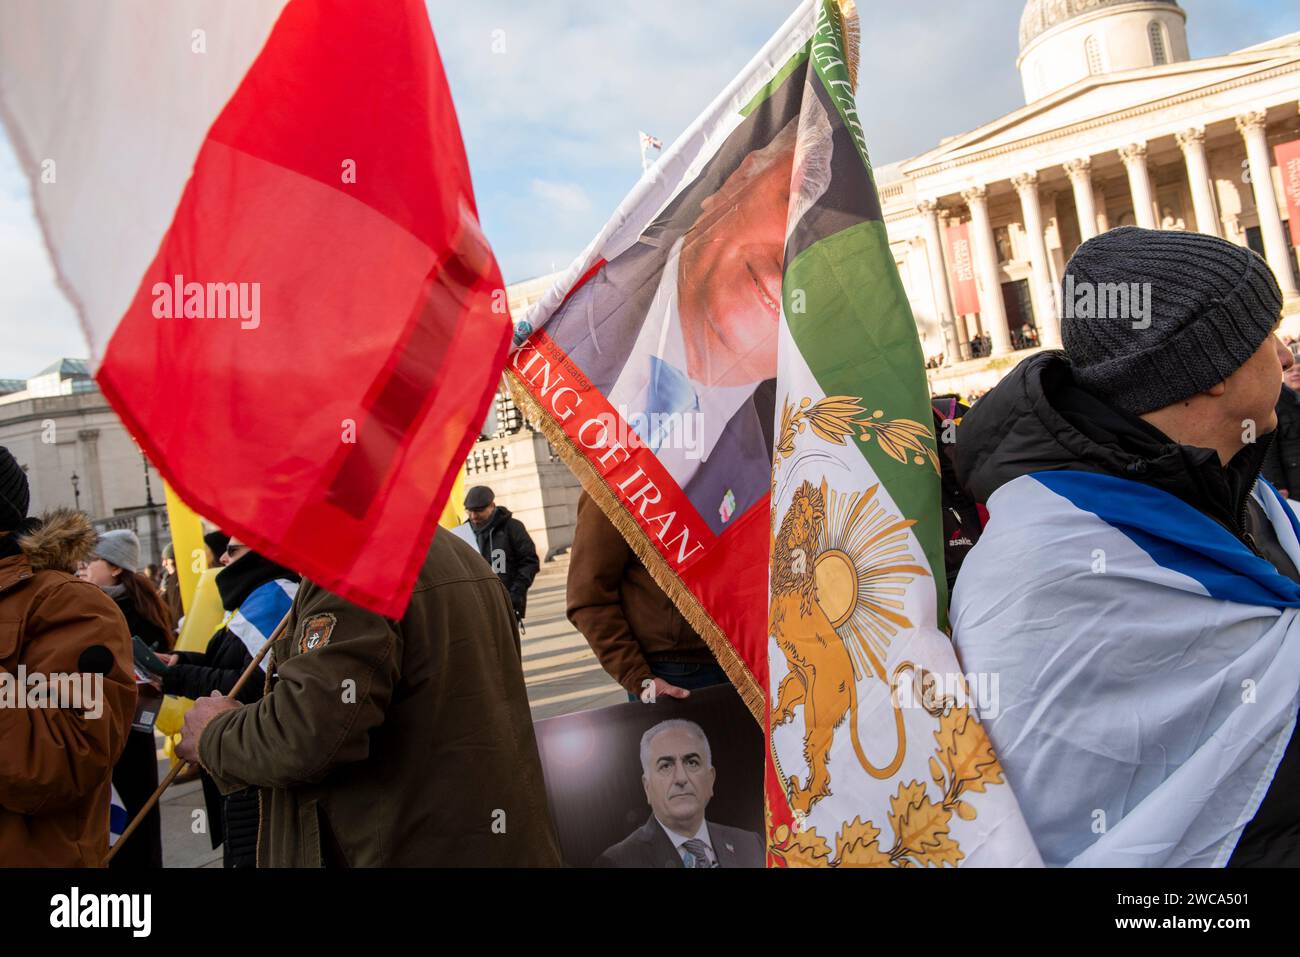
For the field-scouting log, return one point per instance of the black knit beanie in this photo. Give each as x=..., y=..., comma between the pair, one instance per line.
x=15, y=495
x=1151, y=317
x=217, y=542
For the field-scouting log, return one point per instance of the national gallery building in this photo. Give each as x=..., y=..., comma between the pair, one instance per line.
x=1120, y=128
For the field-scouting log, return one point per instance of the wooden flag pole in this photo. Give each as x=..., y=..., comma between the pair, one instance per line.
x=182, y=765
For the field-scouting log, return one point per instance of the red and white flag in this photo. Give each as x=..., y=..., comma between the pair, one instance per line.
x=263, y=215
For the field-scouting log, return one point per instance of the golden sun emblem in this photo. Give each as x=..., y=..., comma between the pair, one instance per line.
x=862, y=571
x=841, y=565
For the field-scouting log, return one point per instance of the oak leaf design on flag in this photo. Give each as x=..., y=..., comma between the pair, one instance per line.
x=963, y=762
x=968, y=757
x=800, y=848
x=858, y=845
x=921, y=828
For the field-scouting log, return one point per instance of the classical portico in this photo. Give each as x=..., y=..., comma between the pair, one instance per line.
x=1133, y=132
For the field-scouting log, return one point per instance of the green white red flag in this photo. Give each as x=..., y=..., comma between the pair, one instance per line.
x=733, y=371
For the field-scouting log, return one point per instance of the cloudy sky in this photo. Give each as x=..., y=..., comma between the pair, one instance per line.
x=551, y=96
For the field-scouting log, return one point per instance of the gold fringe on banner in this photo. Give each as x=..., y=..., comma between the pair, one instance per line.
x=594, y=484
x=851, y=30
x=694, y=613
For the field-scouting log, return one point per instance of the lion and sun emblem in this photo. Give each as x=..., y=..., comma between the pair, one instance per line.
x=842, y=563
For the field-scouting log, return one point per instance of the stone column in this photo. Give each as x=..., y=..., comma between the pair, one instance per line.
x=1049, y=327
x=1103, y=218
x=953, y=349
x=93, y=476
x=1080, y=173
x=992, y=311
x=1139, y=183
x=1277, y=249
x=1192, y=141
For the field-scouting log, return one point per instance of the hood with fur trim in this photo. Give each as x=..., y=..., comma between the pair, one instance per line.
x=55, y=542
x=54, y=811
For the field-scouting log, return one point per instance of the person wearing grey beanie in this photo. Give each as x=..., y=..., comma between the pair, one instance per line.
x=119, y=547
x=114, y=568
x=1152, y=317
x=1133, y=562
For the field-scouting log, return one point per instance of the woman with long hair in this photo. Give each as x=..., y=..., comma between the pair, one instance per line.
x=113, y=567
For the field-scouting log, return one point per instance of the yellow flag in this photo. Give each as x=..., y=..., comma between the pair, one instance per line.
x=187, y=542
x=451, y=514
x=203, y=616
x=200, y=603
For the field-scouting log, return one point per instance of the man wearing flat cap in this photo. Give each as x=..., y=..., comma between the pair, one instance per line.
x=504, y=543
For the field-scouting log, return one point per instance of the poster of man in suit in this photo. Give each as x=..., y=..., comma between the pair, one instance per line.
x=675, y=784
x=677, y=773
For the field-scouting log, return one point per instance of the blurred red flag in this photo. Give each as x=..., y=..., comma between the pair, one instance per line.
x=310, y=345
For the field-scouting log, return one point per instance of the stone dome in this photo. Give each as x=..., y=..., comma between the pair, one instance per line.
x=1042, y=15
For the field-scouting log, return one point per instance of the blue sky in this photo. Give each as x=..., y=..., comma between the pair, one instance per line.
x=550, y=122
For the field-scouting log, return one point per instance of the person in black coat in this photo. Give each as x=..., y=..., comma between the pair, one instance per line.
x=504, y=543
x=113, y=568
x=962, y=521
x=1282, y=461
x=233, y=818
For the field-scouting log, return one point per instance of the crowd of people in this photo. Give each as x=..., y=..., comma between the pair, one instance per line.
x=981, y=345
x=443, y=687
x=1110, y=551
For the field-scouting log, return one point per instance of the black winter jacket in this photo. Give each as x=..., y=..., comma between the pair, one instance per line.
x=233, y=819
x=509, y=549
x=962, y=521
x=1037, y=419
x=1282, y=463
x=136, y=773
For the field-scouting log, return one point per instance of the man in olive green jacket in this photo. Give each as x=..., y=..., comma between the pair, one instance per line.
x=390, y=743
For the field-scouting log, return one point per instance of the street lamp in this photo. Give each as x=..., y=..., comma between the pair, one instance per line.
x=76, y=491
x=148, y=489
x=152, y=508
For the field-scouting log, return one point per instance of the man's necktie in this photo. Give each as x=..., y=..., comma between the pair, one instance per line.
x=669, y=392
x=697, y=854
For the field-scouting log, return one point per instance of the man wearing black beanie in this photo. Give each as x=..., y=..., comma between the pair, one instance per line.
x=1136, y=588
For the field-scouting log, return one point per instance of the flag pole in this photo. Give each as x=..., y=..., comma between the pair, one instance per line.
x=181, y=765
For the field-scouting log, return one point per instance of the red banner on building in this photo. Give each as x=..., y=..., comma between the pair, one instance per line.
x=1288, y=162
x=961, y=271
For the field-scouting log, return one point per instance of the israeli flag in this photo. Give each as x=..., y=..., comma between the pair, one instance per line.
x=117, y=819
x=255, y=619
x=1148, y=666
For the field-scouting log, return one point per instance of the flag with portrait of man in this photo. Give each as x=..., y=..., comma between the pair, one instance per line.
x=732, y=370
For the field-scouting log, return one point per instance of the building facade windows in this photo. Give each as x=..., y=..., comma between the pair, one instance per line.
x=1159, y=55
x=1092, y=49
